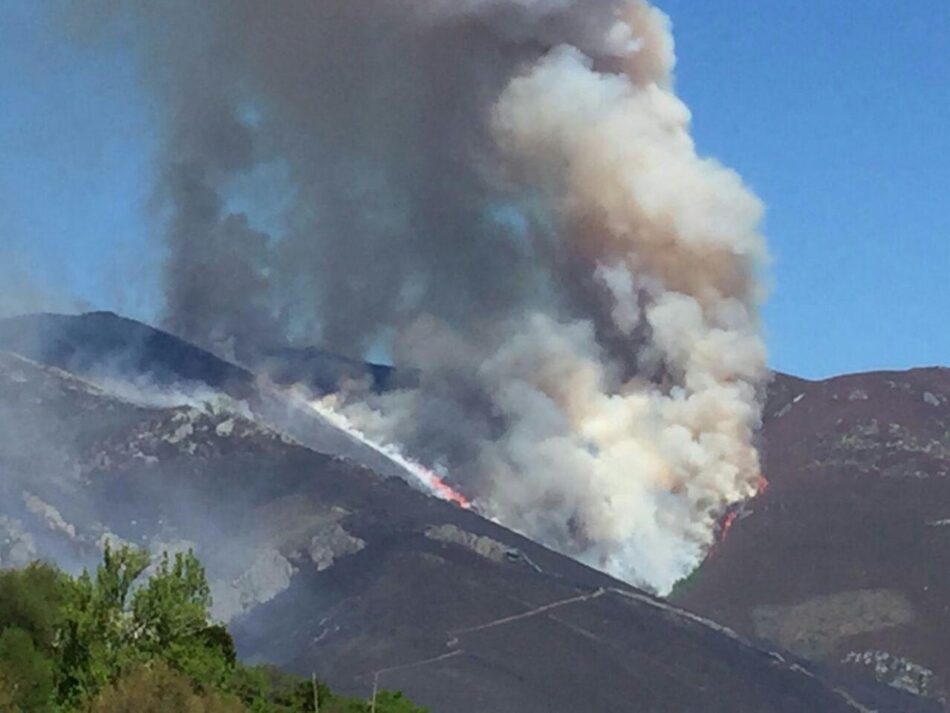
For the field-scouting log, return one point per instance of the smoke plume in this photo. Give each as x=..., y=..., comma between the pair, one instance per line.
x=506, y=193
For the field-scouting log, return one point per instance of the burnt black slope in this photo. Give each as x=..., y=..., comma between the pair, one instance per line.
x=103, y=343
x=846, y=557
x=324, y=565
x=106, y=344
x=357, y=577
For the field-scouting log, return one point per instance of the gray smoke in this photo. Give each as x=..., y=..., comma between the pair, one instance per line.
x=507, y=191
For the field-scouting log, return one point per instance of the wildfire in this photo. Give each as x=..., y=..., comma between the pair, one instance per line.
x=727, y=522
x=431, y=481
x=737, y=512
x=438, y=487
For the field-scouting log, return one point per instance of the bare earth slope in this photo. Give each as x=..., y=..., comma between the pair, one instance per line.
x=321, y=564
x=846, y=557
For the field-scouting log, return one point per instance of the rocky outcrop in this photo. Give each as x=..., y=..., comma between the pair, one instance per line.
x=331, y=542
x=479, y=544
x=269, y=574
x=895, y=671
x=815, y=627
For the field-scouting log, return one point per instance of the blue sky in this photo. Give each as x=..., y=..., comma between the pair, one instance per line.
x=76, y=137
x=837, y=113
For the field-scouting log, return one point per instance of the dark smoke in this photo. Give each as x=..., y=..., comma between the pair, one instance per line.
x=506, y=194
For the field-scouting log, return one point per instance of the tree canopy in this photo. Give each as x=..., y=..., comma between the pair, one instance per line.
x=137, y=637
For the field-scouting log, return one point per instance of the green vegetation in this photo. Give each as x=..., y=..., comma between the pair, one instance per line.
x=121, y=642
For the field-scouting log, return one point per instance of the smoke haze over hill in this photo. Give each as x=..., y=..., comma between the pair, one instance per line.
x=504, y=193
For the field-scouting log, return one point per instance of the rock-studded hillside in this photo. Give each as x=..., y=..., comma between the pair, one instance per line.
x=321, y=563
x=846, y=557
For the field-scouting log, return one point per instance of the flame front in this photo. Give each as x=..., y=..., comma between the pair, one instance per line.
x=438, y=487
x=737, y=512
x=432, y=482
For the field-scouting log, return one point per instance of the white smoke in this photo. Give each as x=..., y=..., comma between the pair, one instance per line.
x=427, y=479
x=627, y=473
x=510, y=190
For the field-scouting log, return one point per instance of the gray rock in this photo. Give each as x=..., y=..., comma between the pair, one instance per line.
x=479, y=544
x=330, y=543
x=895, y=671
x=813, y=627
x=268, y=576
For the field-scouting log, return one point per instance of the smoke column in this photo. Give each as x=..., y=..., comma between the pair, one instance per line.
x=504, y=191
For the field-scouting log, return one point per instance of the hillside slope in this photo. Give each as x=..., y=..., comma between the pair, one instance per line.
x=319, y=563
x=846, y=558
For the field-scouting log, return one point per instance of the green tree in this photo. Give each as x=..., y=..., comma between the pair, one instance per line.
x=390, y=702
x=30, y=617
x=174, y=605
x=97, y=642
x=119, y=642
x=27, y=678
x=31, y=600
x=170, y=618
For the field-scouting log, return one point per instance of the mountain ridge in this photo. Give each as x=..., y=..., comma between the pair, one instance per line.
x=859, y=472
x=324, y=564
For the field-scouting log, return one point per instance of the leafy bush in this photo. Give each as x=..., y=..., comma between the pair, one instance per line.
x=26, y=675
x=119, y=642
x=158, y=688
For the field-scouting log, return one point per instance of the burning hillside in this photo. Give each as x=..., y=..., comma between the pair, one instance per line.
x=738, y=511
x=505, y=197
x=323, y=564
x=427, y=479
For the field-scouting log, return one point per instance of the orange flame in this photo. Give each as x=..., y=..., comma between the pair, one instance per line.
x=733, y=513
x=445, y=491
x=432, y=481
x=727, y=522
